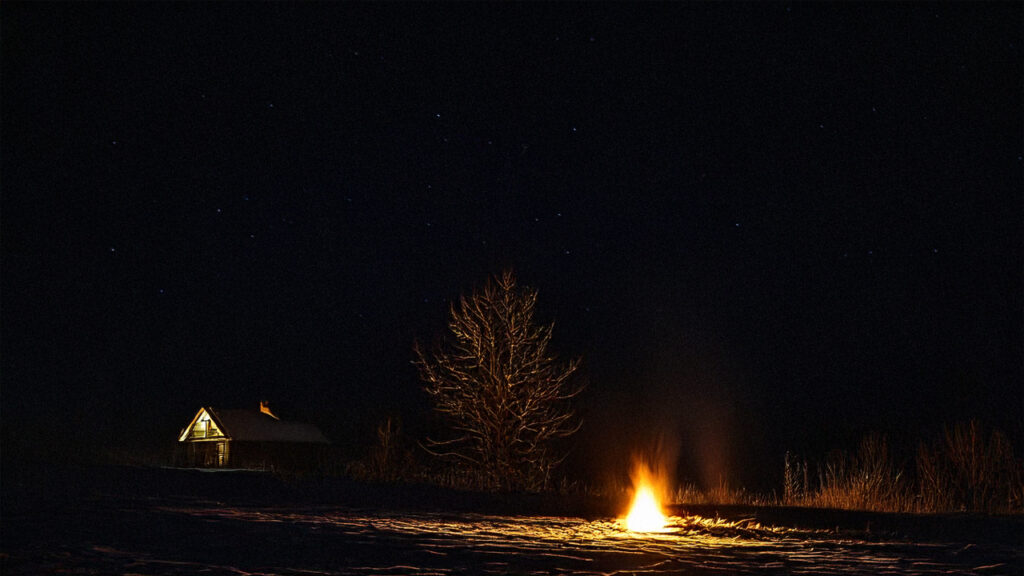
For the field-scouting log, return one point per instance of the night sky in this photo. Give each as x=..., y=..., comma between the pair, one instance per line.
x=762, y=226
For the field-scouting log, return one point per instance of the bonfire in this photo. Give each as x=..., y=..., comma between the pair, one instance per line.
x=645, y=512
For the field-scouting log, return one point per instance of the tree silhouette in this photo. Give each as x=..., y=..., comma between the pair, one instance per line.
x=501, y=391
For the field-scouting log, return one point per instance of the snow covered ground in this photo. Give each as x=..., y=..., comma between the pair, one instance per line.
x=128, y=532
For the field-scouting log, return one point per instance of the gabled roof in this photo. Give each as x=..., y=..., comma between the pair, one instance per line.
x=255, y=426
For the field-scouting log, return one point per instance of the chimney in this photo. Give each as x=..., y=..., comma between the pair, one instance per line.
x=265, y=408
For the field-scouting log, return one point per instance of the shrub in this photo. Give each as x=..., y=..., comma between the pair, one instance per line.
x=795, y=482
x=965, y=470
x=390, y=459
x=869, y=480
x=970, y=471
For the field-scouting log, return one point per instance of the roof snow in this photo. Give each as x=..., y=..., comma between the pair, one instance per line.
x=254, y=426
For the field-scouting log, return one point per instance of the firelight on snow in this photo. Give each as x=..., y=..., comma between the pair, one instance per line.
x=645, y=513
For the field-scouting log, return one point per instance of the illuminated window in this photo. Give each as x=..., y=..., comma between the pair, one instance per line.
x=201, y=426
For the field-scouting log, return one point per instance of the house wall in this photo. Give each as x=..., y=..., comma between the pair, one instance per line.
x=298, y=456
x=206, y=454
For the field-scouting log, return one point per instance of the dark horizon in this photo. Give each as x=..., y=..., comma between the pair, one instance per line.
x=764, y=227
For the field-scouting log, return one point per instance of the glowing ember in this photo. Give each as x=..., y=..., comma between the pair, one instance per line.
x=645, y=513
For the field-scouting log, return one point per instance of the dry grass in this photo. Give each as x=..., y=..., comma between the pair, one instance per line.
x=969, y=470
x=866, y=480
x=723, y=493
x=966, y=470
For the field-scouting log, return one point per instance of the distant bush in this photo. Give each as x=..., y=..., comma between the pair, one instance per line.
x=969, y=470
x=964, y=471
x=870, y=479
x=390, y=459
x=795, y=482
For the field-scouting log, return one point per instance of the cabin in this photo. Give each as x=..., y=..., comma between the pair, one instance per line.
x=250, y=439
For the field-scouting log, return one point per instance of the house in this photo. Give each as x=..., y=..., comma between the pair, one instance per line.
x=254, y=439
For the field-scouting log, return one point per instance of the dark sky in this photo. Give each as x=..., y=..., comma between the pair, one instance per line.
x=762, y=226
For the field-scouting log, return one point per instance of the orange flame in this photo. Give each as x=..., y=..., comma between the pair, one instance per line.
x=645, y=512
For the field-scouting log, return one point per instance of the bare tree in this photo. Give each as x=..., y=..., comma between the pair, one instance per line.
x=502, y=392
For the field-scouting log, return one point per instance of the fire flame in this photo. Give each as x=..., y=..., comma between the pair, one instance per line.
x=645, y=513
